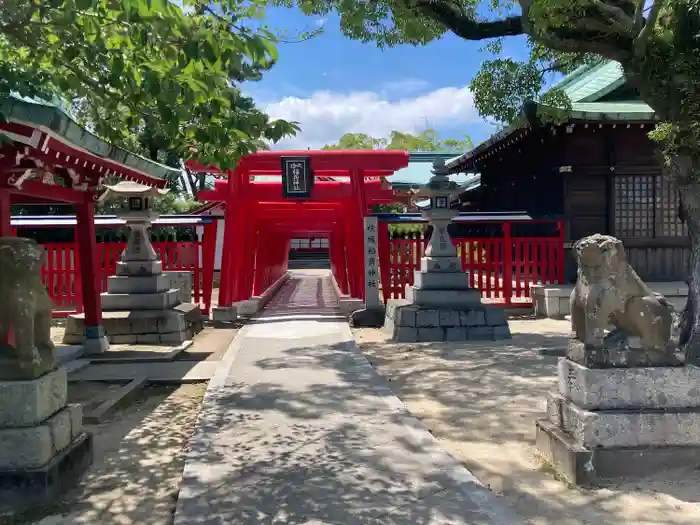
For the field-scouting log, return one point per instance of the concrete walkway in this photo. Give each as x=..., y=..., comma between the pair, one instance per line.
x=297, y=428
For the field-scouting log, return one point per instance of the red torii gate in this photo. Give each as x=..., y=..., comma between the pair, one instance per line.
x=261, y=217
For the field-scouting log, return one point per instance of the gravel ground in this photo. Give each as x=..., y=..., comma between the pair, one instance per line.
x=482, y=400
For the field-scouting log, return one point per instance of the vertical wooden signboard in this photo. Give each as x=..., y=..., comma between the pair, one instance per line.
x=297, y=177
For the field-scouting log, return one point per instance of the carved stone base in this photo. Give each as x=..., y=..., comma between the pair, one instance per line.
x=600, y=421
x=36, y=486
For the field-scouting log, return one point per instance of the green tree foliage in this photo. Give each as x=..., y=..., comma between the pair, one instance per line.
x=427, y=140
x=147, y=75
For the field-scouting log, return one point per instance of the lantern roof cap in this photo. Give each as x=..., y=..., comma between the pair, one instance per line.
x=439, y=183
x=136, y=189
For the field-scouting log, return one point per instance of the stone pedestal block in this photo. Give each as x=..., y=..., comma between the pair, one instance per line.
x=440, y=265
x=27, y=403
x=34, y=446
x=444, y=298
x=181, y=281
x=442, y=280
x=602, y=420
x=42, y=444
x=140, y=301
x=138, y=284
x=629, y=388
x=125, y=268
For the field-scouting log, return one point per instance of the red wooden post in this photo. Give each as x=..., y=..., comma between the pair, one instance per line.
x=332, y=255
x=351, y=247
x=6, y=231
x=208, y=261
x=358, y=210
x=263, y=264
x=507, y=265
x=233, y=232
x=95, y=340
x=226, y=249
x=250, y=250
x=341, y=260
x=560, y=252
x=5, y=214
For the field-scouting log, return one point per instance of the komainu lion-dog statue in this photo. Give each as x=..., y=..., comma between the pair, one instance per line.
x=609, y=292
x=25, y=307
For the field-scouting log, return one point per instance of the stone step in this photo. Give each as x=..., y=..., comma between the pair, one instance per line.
x=137, y=284
x=174, y=372
x=142, y=301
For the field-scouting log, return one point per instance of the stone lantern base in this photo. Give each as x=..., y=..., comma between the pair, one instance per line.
x=441, y=306
x=141, y=308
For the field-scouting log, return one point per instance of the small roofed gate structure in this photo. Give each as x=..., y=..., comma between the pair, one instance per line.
x=318, y=193
x=49, y=158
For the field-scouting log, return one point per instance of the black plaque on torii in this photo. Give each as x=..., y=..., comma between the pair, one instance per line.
x=297, y=177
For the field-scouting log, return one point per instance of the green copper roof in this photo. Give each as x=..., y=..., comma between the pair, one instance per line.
x=584, y=87
x=592, y=81
x=611, y=111
x=38, y=114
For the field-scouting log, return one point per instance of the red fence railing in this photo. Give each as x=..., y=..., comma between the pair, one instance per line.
x=61, y=274
x=502, y=267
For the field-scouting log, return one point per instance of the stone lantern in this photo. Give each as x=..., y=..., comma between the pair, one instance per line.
x=441, y=305
x=138, y=216
x=439, y=215
x=141, y=305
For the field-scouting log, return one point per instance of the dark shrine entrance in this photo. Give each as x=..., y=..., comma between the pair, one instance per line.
x=273, y=197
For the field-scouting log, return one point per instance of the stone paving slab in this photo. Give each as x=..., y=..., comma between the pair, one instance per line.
x=167, y=372
x=297, y=428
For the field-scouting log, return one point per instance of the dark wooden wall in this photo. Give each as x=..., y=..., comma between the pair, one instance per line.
x=571, y=170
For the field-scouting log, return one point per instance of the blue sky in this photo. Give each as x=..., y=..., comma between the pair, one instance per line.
x=333, y=85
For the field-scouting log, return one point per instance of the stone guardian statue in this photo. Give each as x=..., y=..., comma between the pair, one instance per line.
x=26, y=309
x=610, y=294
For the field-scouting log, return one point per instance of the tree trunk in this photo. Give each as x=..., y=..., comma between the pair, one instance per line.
x=684, y=171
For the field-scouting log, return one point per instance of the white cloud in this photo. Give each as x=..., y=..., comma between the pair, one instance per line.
x=326, y=116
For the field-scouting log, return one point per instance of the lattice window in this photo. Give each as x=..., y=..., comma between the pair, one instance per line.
x=667, y=222
x=646, y=206
x=634, y=206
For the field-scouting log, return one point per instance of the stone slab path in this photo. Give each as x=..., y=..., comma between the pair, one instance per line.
x=297, y=428
x=169, y=372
